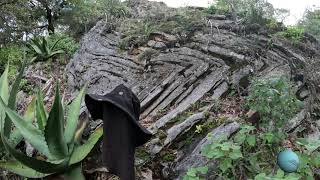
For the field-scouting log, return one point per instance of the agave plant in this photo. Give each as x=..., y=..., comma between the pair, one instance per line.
x=56, y=139
x=9, y=98
x=41, y=49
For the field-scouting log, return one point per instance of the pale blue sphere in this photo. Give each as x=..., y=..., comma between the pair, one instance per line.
x=288, y=161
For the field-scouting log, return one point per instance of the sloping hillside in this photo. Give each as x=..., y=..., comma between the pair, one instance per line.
x=191, y=73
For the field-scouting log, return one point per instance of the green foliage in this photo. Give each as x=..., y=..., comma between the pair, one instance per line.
x=311, y=22
x=293, y=33
x=11, y=53
x=64, y=42
x=309, y=156
x=42, y=49
x=249, y=150
x=193, y=173
x=59, y=145
x=274, y=99
x=279, y=176
x=136, y=33
x=220, y=7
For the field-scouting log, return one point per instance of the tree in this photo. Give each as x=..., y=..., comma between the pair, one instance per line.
x=311, y=21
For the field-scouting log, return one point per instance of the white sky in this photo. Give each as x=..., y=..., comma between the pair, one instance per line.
x=296, y=7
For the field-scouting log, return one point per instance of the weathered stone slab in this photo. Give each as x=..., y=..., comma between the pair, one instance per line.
x=195, y=159
x=176, y=130
x=205, y=86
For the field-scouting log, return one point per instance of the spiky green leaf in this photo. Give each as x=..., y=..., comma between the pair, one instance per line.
x=45, y=45
x=54, y=129
x=73, y=116
x=12, y=98
x=16, y=137
x=4, y=93
x=20, y=169
x=55, y=44
x=35, y=46
x=32, y=134
x=33, y=163
x=40, y=111
x=81, y=152
x=55, y=53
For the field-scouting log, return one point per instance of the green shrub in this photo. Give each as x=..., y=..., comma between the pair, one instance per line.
x=220, y=7
x=65, y=42
x=136, y=33
x=13, y=54
x=250, y=149
x=293, y=33
x=274, y=99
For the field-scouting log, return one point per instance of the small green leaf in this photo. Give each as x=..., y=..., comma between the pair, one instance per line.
x=20, y=169
x=54, y=129
x=251, y=140
x=225, y=164
x=73, y=116
x=235, y=154
x=192, y=172
x=280, y=174
x=203, y=170
x=80, y=152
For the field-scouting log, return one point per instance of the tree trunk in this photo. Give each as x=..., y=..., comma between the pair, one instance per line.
x=50, y=20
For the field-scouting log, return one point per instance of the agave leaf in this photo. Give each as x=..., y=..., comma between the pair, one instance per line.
x=40, y=111
x=16, y=137
x=81, y=152
x=54, y=129
x=33, y=163
x=73, y=116
x=32, y=134
x=55, y=53
x=55, y=44
x=20, y=169
x=4, y=85
x=45, y=45
x=12, y=98
x=4, y=93
x=35, y=46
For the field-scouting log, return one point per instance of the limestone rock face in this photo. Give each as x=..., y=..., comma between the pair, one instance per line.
x=181, y=75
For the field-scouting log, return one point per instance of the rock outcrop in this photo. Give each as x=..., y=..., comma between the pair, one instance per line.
x=200, y=70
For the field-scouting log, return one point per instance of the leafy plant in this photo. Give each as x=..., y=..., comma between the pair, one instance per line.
x=280, y=175
x=9, y=98
x=55, y=138
x=64, y=42
x=293, y=33
x=42, y=50
x=193, y=173
x=274, y=99
x=11, y=53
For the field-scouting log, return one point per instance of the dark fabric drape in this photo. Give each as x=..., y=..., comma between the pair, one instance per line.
x=118, y=142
